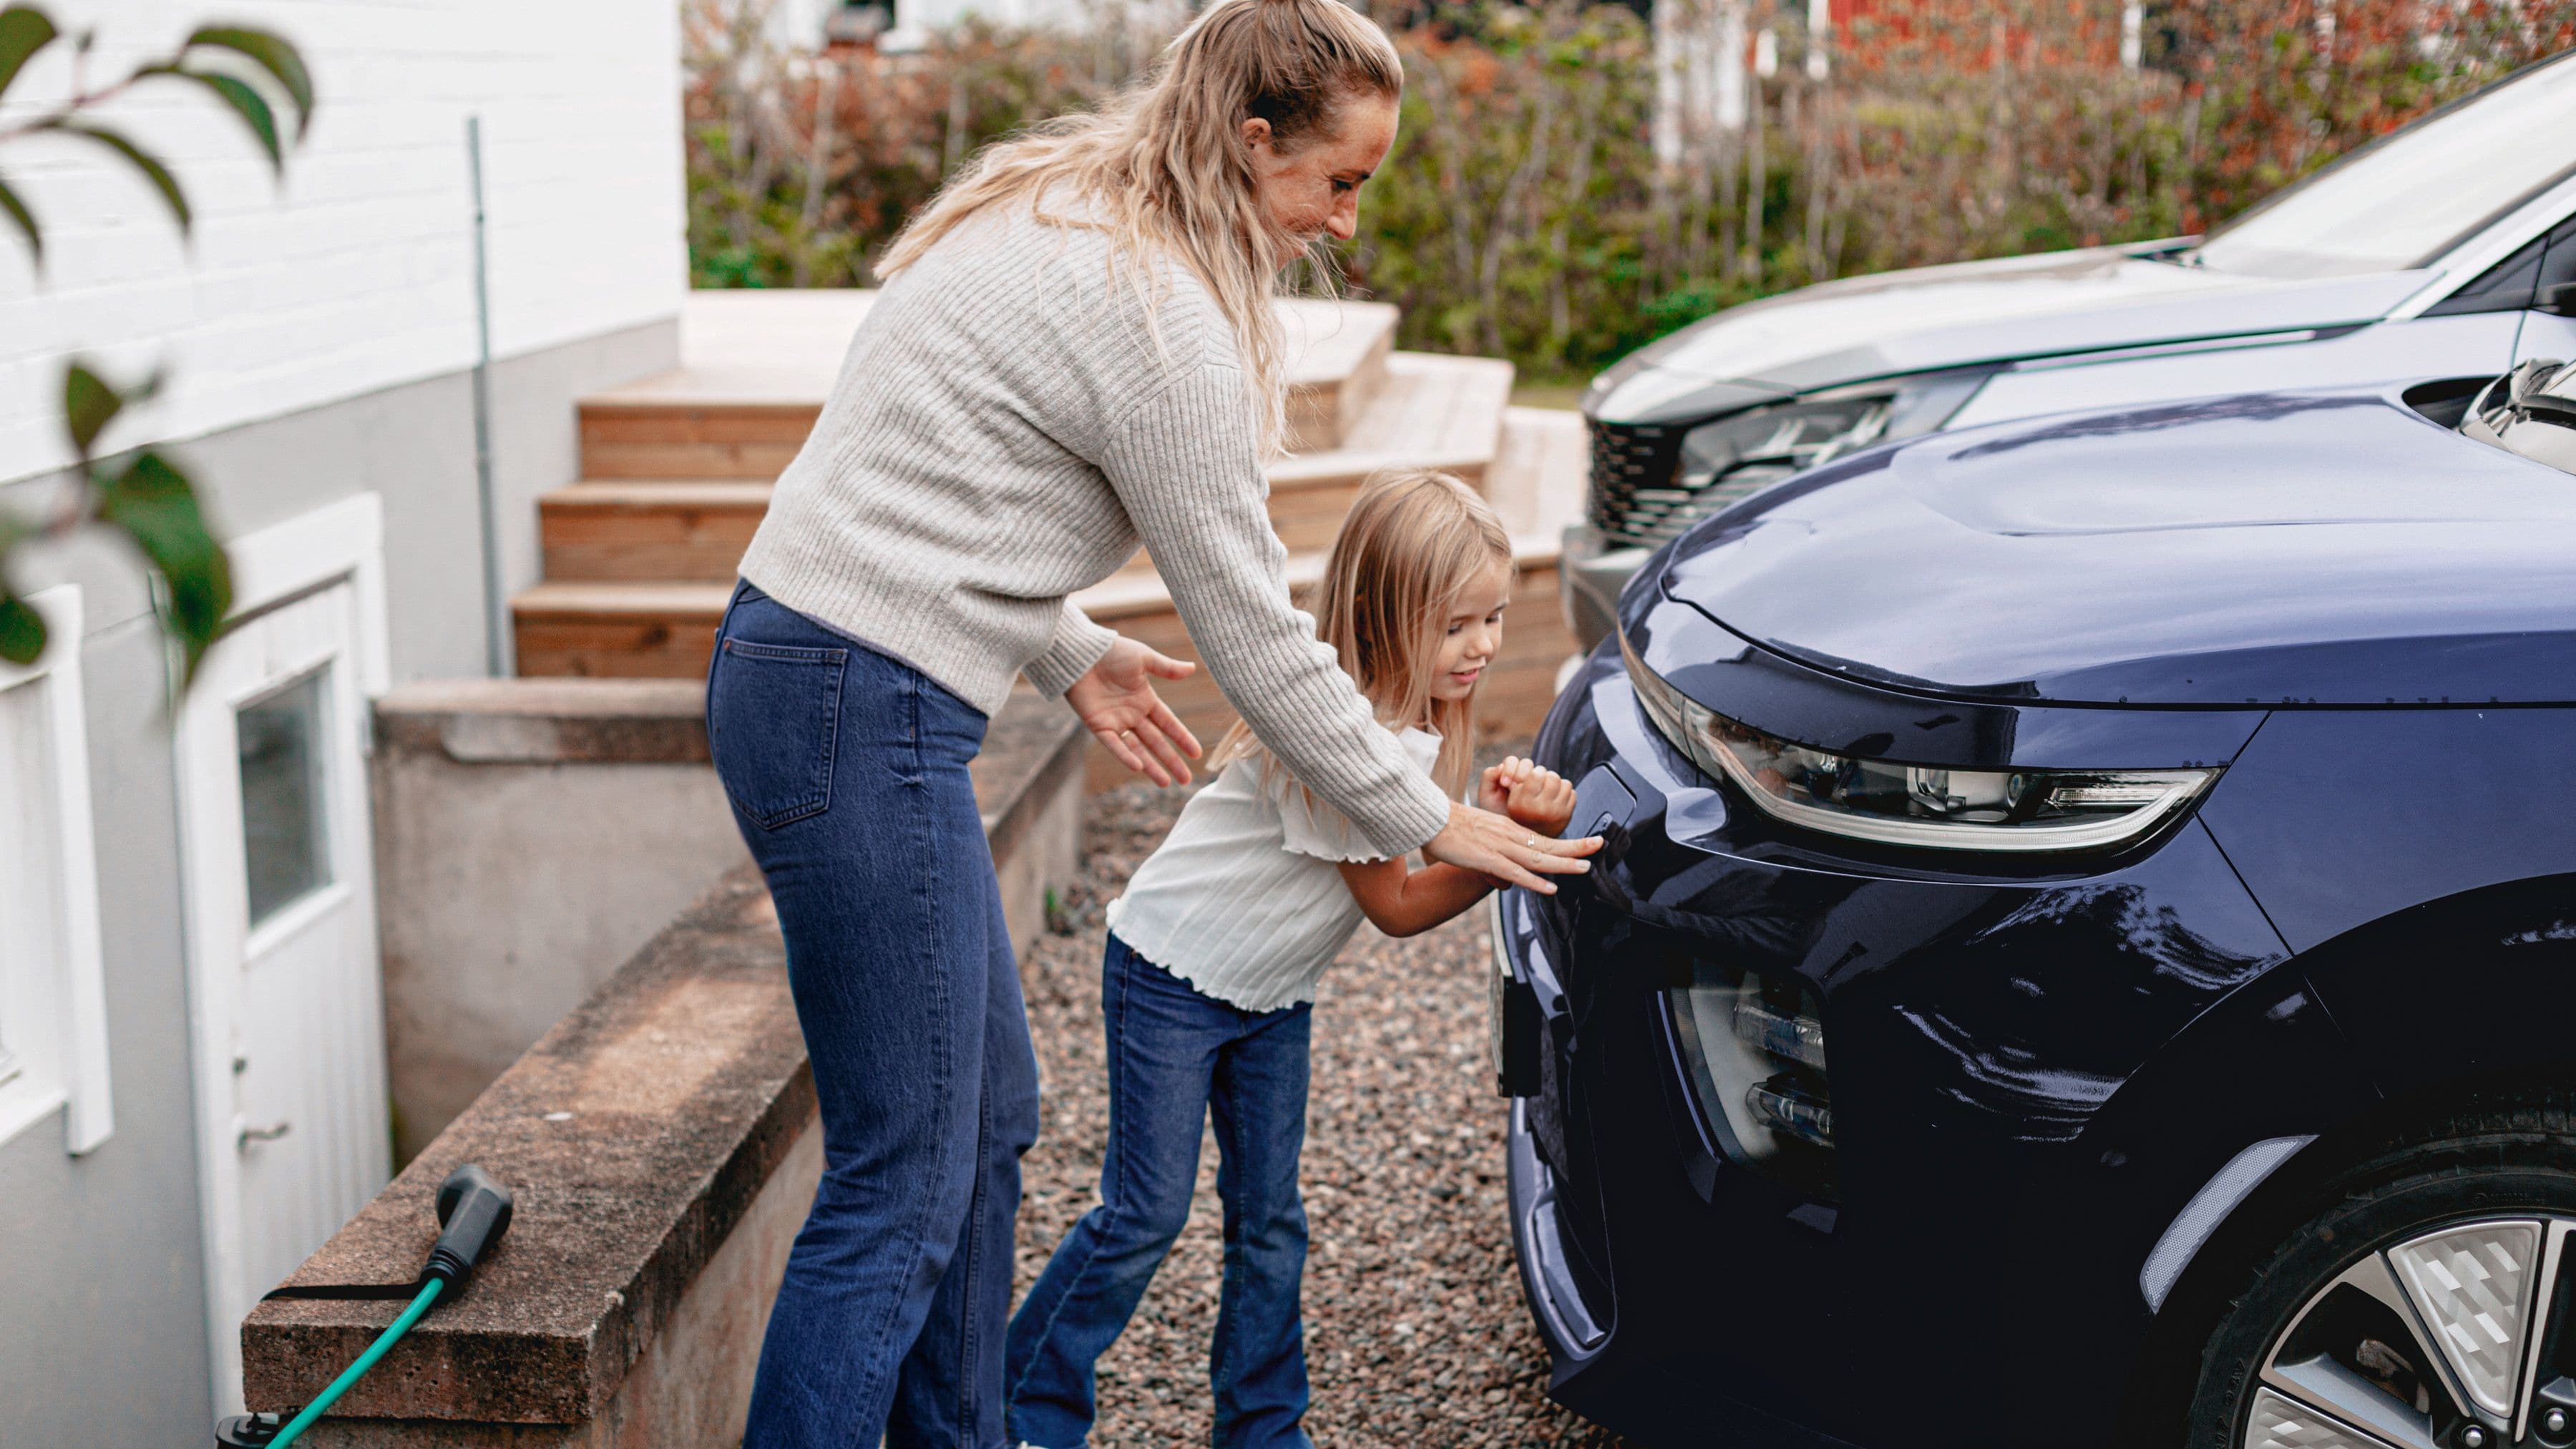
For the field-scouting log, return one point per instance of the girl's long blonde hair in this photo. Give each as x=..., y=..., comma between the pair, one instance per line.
x=1165, y=168
x=1412, y=544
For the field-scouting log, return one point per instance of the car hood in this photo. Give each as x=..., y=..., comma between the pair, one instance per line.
x=2275, y=548
x=1968, y=314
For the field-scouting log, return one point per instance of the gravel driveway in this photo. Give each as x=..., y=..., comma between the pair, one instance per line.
x=1416, y=1334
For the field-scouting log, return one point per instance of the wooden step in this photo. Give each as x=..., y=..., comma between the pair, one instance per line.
x=1538, y=476
x=630, y=439
x=643, y=531
x=623, y=630
x=757, y=367
x=645, y=629
x=1337, y=360
x=1428, y=411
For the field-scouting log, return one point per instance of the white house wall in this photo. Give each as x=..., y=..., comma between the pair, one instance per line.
x=356, y=273
x=319, y=337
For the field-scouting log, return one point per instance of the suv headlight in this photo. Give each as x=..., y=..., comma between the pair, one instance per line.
x=1725, y=461
x=1918, y=805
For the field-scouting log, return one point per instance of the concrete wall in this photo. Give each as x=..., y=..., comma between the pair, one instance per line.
x=531, y=835
x=355, y=274
x=103, y=1339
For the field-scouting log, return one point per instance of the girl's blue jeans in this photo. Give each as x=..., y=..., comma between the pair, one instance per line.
x=847, y=773
x=1175, y=1058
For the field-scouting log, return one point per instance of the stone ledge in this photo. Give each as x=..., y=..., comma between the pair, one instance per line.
x=549, y=721
x=569, y=720
x=634, y=1133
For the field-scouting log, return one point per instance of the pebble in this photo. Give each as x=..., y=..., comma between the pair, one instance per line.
x=1416, y=1333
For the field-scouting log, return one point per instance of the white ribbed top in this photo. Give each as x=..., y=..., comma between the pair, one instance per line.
x=1242, y=899
x=1011, y=420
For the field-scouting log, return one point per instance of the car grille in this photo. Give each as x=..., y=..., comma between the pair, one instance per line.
x=1648, y=489
x=1627, y=459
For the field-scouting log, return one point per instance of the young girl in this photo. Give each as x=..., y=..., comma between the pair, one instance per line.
x=1213, y=956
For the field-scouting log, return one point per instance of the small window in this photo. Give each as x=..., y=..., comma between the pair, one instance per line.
x=53, y=1006
x=283, y=797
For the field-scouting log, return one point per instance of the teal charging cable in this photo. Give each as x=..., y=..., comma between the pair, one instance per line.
x=350, y=1375
x=473, y=1213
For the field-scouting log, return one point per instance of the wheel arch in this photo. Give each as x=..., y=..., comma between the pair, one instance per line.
x=2383, y=990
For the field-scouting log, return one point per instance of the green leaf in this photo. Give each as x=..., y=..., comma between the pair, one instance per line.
x=153, y=171
x=24, y=30
x=90, y=403
x=155, y=505
x=272, y=53
x=22, y=630
x=249, y=104
x=26, y=220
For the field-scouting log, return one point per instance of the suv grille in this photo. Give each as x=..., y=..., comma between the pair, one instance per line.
x=1648, y=488
x=1625, y=460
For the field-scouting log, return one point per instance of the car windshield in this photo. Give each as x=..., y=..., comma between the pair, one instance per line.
x=2407, y=198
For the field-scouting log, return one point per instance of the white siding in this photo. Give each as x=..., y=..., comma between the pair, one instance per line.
x=53, y=1010
x=357, y=272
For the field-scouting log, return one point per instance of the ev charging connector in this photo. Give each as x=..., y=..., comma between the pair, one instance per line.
x=473, y=1213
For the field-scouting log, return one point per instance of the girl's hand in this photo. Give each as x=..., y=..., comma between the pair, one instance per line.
x=1117, y=703
x=1481, y=840
x=1494, y=787
x=1543, y=800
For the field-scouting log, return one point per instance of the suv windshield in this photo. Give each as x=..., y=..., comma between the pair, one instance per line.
x=2405, y=199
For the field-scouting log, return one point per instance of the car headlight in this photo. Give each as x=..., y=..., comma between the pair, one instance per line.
x=1731, y=459
x=1918, y=805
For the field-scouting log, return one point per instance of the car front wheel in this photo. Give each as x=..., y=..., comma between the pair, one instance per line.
x=2427, y=1304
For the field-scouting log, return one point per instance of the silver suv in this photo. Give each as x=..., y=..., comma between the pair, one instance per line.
x=2446, y=249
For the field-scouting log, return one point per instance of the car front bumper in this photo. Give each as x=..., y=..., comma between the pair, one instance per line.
x=2015, y=1124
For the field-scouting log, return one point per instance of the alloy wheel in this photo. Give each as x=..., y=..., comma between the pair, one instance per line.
x=2452, y=1339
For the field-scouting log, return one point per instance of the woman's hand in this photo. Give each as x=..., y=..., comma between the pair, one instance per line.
x=1481, y=840
x=1116, y=701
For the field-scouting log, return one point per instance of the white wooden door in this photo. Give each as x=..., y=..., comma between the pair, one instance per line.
x=286, y=995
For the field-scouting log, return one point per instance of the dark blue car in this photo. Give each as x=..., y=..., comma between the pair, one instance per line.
x=2085, y=951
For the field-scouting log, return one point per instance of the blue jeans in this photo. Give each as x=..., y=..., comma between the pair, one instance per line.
x=1174, y=1057
x=847, y=773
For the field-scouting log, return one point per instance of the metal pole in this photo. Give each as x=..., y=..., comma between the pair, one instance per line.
x=496, y=616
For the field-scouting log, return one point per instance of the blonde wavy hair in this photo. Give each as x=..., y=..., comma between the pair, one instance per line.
x=1412, y=544
x=1165, y=168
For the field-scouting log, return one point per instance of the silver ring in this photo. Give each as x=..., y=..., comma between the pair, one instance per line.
x=1533, y=842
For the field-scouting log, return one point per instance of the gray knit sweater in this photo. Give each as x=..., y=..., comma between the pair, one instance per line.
x=1010, y=421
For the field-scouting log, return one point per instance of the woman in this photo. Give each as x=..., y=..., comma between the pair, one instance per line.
x=1074, y=350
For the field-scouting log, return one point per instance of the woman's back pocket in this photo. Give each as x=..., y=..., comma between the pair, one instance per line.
x=773, y=724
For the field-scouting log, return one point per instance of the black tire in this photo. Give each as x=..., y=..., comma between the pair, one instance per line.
x=2477, y=1164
